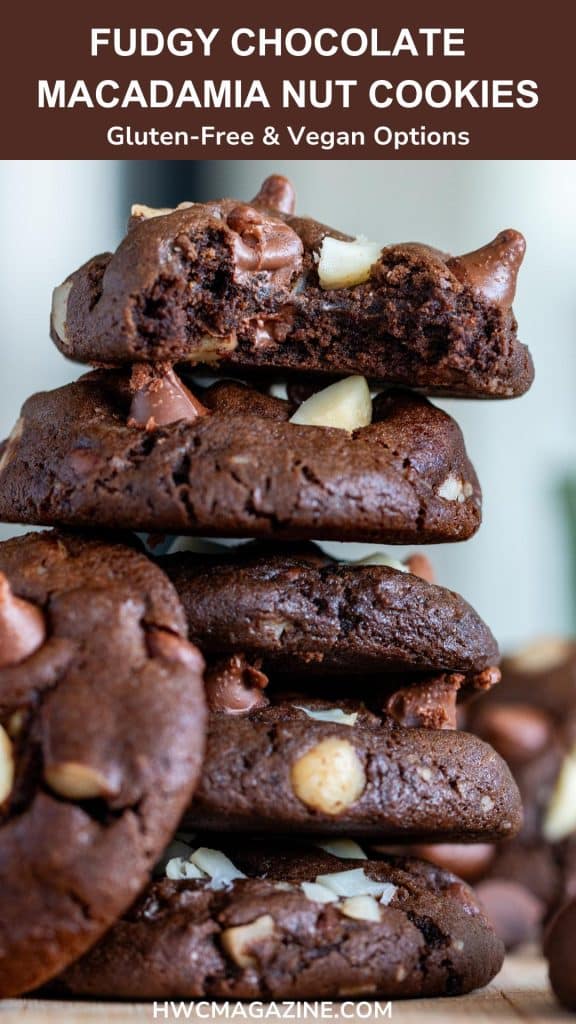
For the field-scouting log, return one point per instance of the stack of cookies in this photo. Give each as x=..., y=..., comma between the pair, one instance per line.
x=530, y=719
x=331, y=687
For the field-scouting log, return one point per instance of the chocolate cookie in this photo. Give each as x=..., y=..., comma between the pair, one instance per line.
x=101, y=737
x=311, y=766
x=251, y=285
x=297, y=925
x=143, y=452
x=330, y=618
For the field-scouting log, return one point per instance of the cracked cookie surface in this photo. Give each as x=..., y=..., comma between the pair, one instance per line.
x=102, y=722
x=78, y=458
x=323, y=617
x=279, y=934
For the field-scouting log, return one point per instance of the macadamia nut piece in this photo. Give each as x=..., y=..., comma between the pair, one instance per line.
x=329, y=777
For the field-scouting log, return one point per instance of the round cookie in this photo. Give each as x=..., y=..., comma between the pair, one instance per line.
x=304, y=765
x=298, y=615
x=255, y=287
x=102, y=721
x=292, y=925
x=141, y=451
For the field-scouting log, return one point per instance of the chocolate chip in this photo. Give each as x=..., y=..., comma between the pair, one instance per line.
x=264, y=243
x=419, y=565
x=276, y=193
x=234, y=686
x=428, y=705
x=158, y=400
x=492, y=271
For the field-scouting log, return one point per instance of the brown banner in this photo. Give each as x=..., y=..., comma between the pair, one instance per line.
x=417, y=80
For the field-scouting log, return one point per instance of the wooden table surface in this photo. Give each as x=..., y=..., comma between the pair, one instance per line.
x=520, y=992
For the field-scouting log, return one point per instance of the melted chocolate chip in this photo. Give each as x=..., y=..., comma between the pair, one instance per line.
x=276, y=193
x=429, y=705
x=492, y=271
x=234, y=686
x=264, y=243
x=159, y=400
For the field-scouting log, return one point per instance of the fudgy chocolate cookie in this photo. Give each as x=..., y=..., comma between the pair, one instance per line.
x=102, y=721
x=312, y=766
x=302, y=615
x=295, y=925
x=140, y=451
x=251, y=285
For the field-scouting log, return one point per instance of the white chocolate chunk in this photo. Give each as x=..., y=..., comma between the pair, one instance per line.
x=217, y=865
x=346, y=405
x=345, y=849
x=352, y=883
x=560, y=820
x=452, y=489
x=181, y=867
x=361, y=908
x=6, y=765
x=344, y=264
x=379, y=558
x=60, y=297
x=318, y=893
x=329, y=715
